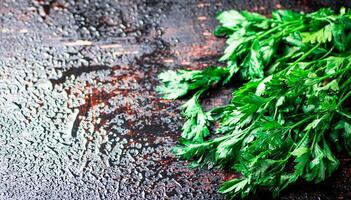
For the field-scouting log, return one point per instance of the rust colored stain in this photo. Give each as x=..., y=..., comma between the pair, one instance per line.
x=94, y=96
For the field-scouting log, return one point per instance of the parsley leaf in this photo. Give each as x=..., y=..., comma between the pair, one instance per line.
x=292, y=106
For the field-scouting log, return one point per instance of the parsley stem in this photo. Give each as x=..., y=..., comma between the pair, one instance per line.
x=306, y=54
x=275, y=28
x=301, y=122
x=344, y=98
x=327, y=54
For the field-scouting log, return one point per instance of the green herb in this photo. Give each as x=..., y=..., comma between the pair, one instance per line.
x=281, y=124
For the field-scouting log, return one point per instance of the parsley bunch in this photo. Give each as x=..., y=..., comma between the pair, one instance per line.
x=293, y=107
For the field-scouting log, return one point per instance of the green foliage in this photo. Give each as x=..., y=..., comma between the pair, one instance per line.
x=179, y=83
x=293, y=106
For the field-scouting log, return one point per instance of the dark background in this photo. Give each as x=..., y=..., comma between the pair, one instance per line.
x=79, y=115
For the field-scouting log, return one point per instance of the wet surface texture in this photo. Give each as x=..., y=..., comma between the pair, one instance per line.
x=79, y=115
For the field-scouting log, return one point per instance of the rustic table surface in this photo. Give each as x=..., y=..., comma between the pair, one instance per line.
x=79, y=117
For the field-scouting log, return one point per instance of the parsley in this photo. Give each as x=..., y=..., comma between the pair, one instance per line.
x=292, y=110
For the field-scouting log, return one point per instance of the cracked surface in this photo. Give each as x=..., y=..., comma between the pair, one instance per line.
x=79, y=116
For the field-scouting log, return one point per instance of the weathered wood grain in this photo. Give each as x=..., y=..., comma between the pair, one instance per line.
x=80, y=118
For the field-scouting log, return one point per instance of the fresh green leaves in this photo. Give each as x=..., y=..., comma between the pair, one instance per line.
x=230, y=19
x=197, y=125
x=177, y=84
x=321, y=36
x=252, y=65
x=294, y=103
x=180, y=83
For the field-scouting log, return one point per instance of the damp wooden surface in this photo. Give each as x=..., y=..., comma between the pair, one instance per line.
x=79, y=115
